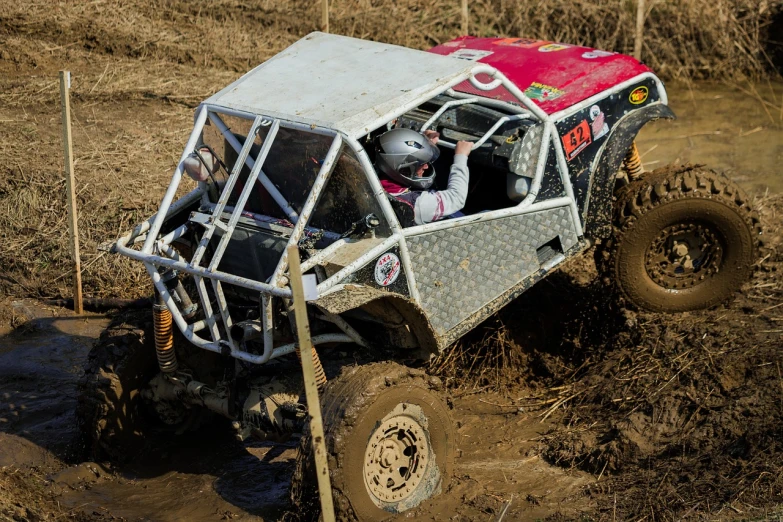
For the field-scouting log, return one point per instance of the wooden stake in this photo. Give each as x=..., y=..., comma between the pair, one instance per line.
x=637, y=45
x=311, y=388
x=325, y=16
x=70, y=190
x=464, y=17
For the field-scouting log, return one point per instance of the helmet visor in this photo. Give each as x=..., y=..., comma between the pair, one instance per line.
x=433, y=150
x=430, y=152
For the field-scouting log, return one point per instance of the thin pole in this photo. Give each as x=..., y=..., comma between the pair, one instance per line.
x=464, y=17
x=325, y=16
x=637, y=45
x=311, y=387
x=70, y=190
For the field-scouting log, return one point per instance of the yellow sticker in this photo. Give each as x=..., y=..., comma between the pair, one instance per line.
x=552, y=47
x=638, y=95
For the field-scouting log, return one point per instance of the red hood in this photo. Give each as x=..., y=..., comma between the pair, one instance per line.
x=556, y=76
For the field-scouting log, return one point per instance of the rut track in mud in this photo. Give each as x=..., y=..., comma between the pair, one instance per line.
x=671, y=414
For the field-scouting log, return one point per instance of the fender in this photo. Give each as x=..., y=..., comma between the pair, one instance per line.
x=598, y=217
x=381, y=304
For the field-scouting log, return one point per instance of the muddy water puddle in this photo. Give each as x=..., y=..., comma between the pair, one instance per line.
x=735, y=132
x=210, y=476
x=39, y=365
x=206, y=476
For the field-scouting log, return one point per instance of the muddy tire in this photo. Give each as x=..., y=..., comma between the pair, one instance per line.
x=390, y=442
x=113, y=419
x=684, y=238
x=109, y=411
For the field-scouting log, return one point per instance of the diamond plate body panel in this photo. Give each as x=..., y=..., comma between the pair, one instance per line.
x=460, y=270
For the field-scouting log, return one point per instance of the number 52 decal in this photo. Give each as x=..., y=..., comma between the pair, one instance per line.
x=575, y=140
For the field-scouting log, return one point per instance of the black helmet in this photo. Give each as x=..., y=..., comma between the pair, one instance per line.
x=401, y=152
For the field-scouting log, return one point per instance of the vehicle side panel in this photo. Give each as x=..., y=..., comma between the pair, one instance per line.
x=551, y=184
x=585, y=133
x=503, y=299
x=460, y=270
x=598, y=216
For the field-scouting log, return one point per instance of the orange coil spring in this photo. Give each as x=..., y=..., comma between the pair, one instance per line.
x=320, y=376
x=633, y=163
x=164, y=339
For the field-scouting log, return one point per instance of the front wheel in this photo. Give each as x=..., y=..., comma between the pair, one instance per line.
x=390, y=442
x=112, y=415
x=685, y=238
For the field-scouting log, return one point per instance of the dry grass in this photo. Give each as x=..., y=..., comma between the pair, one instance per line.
x=121, y=170
x=489, y=360
x=696, y=39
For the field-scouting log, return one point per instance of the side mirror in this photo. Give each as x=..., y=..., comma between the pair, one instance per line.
x=371, y=221
x=359, y=228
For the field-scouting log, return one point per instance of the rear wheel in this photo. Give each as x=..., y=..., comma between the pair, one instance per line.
x=390, y=441
x=684, y=238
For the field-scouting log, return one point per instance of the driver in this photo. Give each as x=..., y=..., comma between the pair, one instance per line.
x=403, y=157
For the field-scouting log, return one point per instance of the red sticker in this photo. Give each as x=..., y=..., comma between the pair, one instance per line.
x=576, y=140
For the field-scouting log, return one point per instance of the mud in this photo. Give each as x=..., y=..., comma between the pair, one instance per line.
x=661, y=414
x=567, y=405
x=209, y=476
x=737, y=130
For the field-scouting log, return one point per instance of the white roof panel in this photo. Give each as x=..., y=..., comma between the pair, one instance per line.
x=342, y=83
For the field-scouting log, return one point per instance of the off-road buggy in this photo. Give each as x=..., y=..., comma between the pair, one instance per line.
x=553, y=171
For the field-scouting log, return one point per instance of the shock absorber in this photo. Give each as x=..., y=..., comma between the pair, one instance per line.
x=633, y=163
x=164, y=337
x=320, y=376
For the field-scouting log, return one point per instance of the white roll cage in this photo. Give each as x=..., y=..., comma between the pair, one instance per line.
x=157, y=252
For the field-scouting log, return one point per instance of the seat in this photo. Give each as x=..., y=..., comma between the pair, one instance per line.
x=403, y=211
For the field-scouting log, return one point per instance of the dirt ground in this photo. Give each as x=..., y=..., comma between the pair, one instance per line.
x=572, y=407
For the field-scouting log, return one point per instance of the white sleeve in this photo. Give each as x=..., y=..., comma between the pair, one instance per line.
x=435, y=205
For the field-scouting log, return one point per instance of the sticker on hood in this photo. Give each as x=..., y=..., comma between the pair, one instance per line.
x=472, y=55
x=552, y=47
x=541, y=92
x=596, y=53
x=525, y=43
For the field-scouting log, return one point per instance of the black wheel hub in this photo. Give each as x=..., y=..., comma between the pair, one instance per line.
x=683, y=256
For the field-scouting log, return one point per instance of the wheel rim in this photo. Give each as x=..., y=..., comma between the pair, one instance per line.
x=397, y=456
x=683, y=256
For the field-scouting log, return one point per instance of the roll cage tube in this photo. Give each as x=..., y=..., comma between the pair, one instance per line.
x=167, y=257
x=156, y=252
